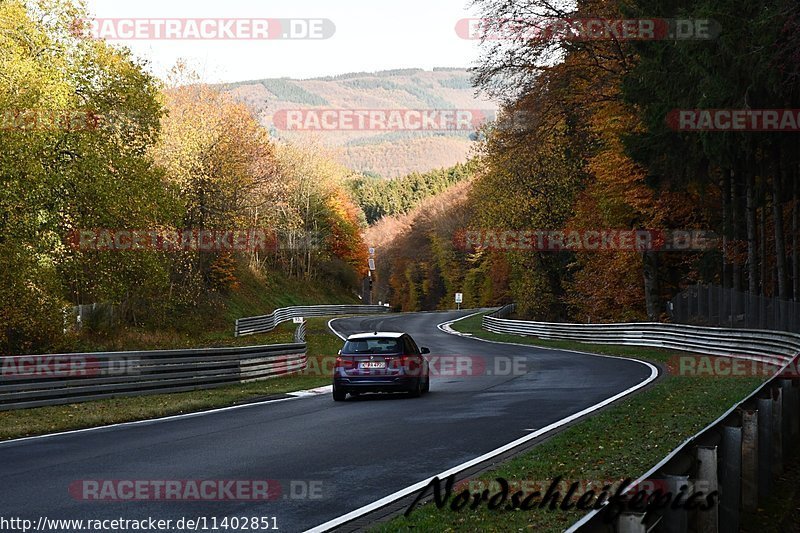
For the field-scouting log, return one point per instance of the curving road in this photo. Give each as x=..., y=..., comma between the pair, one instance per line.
x=347, y=454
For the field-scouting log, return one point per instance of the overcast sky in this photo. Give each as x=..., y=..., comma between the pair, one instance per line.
x=370, y=35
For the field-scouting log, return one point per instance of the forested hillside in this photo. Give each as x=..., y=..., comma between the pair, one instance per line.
x=380, y=198
x=157, y=158
x=586, y=144
x=388, y=154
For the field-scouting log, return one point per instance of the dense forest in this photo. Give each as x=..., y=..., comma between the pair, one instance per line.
x=177, y=154
x=379, y=197
x=581, y=143
x=585, y=143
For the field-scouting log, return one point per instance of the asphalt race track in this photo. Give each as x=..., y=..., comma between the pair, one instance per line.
x=345, y=455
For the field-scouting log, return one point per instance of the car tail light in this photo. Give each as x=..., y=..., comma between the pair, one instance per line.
x=411, y=363
x=344, y=363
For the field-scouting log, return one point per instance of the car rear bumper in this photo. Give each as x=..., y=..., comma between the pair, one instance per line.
x=402, y=383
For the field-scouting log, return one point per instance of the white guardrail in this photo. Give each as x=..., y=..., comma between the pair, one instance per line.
x=739, y=455
x=55, y=379
x=759, y=345
x=263, y=324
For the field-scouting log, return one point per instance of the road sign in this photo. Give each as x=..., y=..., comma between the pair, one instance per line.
x=459, y=298
x=372, y=251
x=372, y=264
x=298, y=320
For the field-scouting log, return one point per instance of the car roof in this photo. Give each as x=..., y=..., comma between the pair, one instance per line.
x=376, y=334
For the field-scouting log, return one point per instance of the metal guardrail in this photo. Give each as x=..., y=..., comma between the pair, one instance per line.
x=739, y=455
x=56, y=379
x=263, y=324
x=38, y=380
x=777, y=347
x=300, y=332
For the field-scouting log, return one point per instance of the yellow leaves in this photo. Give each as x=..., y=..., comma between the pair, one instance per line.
x=216, y=153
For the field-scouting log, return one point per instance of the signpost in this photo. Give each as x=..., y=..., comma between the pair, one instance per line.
x=367, y=297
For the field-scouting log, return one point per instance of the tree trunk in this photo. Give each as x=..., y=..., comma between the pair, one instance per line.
x=725, y=185
x=795, y=265
x=762, y=245
x=736, y=227
x=777, y=215
x=752, y=256
x=651, y=291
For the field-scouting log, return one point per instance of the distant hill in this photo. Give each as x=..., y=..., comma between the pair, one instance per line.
x=387, y=153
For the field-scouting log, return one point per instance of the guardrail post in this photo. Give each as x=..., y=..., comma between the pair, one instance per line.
x=794, y=413
x=764, y=447
x=749, y=460
x=707, y=521
x=630, y=522
x=791, y=414
x=676, y=520
x=777, y=432
x=730, y=479
x=786, y=410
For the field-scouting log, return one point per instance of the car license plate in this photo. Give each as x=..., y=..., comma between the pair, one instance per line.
x=372, y=365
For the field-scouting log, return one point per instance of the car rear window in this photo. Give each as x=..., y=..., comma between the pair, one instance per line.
x=372, y=346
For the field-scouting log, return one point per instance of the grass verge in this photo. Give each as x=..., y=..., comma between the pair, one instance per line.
x=42, y=420
x=211, y=324
x=622, y=441
x=780, y=511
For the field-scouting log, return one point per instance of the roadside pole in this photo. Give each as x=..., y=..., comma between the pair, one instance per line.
x=370, y=279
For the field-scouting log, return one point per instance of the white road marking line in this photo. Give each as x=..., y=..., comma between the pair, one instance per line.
x=494, y=453
x=294, y=396
x=147, y=421
x=330, y=327
x=327, y=389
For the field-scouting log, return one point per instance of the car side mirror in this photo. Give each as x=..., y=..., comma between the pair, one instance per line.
x=425, y=351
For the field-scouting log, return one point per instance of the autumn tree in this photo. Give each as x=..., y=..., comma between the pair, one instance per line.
x=57, y=178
